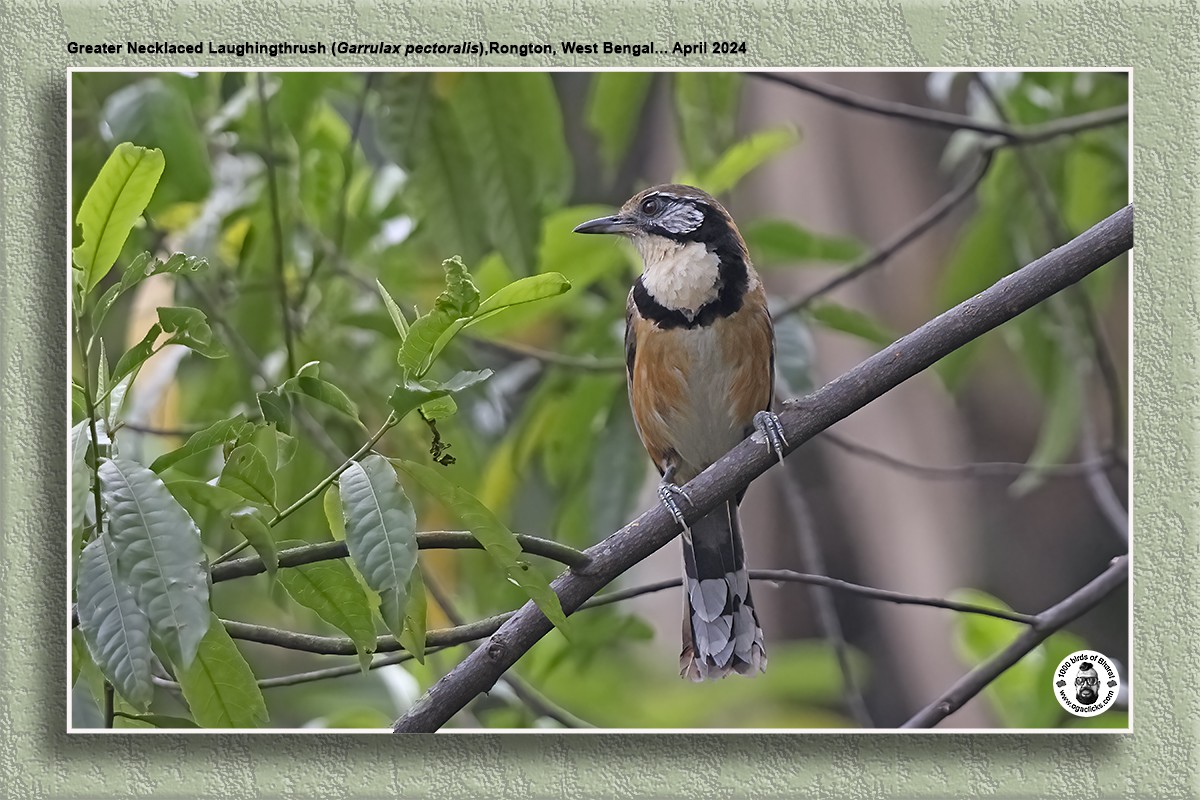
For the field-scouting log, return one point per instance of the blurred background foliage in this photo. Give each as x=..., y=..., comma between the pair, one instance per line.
x=380, y=177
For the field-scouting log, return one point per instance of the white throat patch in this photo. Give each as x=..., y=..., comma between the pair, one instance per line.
x=681, y=277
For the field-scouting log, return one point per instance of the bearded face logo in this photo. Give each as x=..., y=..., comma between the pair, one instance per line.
x=1087, y=684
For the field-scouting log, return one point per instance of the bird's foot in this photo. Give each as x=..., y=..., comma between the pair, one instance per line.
x=667, y=493
x=768, y=424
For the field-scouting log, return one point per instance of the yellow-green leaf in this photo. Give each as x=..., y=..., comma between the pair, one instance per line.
x=112, y=206
x=219, y=686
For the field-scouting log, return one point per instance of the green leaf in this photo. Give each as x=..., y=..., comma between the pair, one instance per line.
x=500, y=543
x=1060, y=427
x=412, y=394
x=398, y=318
x=441, y=408
x=706, y=105
x=220, y=432
x=331, y=504
x=523, y=290
x=744, y=157
x=248, y=473
x=195, y=495
x=415, y=613
x=158, y=554
x=135, y=356
x=445, y=188
x=189, y=327
x=514, y=126
x=219, y=685
x=1017, y=695
x=380, y=533
x=322, y=391
x=156, y=112
x=852, y=321
x=777, y=241
x=460, y=299
x=408, y=102
x=276, y=407
x=1089, y=190
x=113, y=625
x=250, y=523
x=330, y=589
x=140, y=268
x=112, y=206
x=614, y=108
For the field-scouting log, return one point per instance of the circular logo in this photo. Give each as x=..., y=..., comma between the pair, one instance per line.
x=1086, y=683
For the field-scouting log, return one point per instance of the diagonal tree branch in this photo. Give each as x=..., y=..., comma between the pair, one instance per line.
x=1048, y=622
x=801, y=421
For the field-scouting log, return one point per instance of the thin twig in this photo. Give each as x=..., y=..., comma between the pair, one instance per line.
x=150, y=430
x=931, y=216
x=977, y=469
x=801, y=420
x=1046, y=624
x=276, y=228
x=813, y=561
x=482, y=628
x=947, y=120
x=582, y=363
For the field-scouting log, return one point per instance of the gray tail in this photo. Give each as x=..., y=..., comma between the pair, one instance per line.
x=721, y=633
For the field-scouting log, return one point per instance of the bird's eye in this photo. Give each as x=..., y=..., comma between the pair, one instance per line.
x=651, y=205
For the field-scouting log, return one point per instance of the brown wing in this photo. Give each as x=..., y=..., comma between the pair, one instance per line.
x=749, y=339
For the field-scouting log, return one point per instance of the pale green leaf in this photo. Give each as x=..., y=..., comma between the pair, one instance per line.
x=158, y=554
x=322, y=391
x=380, y=533
x=113, y=625
x=81, y=474
x=706, y=105
x=459, y=299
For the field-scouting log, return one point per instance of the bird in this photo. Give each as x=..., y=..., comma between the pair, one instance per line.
x=700, y=368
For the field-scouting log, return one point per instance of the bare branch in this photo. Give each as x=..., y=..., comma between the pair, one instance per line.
x=426, y=540
x=1047, y=623
x=948, y=120
x=481, y=629
x=801, y=421
x=977, y=469
x=931, y=216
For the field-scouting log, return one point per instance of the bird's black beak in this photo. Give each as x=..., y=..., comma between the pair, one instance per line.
x=613, y=224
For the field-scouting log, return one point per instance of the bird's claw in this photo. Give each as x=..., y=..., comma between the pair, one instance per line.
x=771, y=428
x=667, y=492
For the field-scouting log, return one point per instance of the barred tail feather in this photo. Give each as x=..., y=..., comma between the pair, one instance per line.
x=721, y=633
